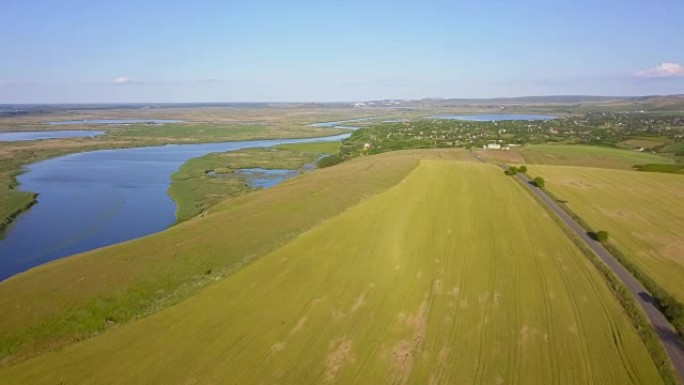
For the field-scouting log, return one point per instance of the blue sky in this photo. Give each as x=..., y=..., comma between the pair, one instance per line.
x=214, y=51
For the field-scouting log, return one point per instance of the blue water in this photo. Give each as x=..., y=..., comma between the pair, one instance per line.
x=37, y=135
x=94, y=199
x=114, y=121
x=494, y=117
x=265, y=178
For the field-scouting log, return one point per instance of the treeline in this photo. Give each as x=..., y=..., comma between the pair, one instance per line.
x=656, y=167
x=605, y=129
x=330, y=160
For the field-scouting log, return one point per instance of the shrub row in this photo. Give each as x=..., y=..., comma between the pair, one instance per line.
x=514, y=170
x=330, y=160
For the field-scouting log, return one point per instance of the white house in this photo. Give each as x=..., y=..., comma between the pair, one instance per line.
x=491, y=146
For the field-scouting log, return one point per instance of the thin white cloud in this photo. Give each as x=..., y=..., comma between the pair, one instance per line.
x=664, y=70
x=124, y=80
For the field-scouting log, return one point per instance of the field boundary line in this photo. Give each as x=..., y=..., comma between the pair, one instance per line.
x=662, y=297
x=669, y=339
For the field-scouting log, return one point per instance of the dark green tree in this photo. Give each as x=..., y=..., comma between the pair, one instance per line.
x=538, y=181
x=330, y=160
x=601, y=236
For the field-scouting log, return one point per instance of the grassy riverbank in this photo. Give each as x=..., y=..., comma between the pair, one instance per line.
x=323, y=148
x=16, y=155
x=199, y=125
x=74, y=298
x=205, y=181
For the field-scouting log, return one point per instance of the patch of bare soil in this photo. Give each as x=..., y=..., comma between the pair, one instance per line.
x=405, y=351
x=337, y=359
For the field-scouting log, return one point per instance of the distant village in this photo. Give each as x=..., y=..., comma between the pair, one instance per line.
x=606, y=129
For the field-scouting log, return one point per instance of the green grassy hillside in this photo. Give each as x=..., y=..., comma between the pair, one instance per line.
x=455, y=275
x=73, y=298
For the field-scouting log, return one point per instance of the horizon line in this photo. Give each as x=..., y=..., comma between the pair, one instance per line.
x=353, y=101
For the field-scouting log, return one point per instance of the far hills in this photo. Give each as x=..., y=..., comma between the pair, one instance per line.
x=646, y=102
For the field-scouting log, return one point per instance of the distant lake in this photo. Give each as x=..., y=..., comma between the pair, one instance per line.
x=94, y=199
x=494, y=117
x=114, y=121
x=340, y=124
x=37, y=135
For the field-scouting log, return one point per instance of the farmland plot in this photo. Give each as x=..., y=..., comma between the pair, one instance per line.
x=642, y=212
x=455, y=275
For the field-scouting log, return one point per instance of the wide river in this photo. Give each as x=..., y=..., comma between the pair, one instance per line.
x=94, y=199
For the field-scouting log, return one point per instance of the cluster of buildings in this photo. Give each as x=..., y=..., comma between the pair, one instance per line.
x=498, y=146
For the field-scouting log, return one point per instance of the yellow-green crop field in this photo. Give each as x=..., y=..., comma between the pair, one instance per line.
x=588, y=156
x=574, y=155
x=453, y=275
x=642, y=212
x=73, y=298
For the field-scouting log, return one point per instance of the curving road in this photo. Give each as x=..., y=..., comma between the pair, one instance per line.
x=665, y=331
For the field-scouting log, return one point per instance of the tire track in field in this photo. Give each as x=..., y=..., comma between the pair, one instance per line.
x=663, y=329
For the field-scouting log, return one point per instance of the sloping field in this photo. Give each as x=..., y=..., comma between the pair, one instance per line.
x=453, y=276
x=73, y=298
x=587, y=156
x=643, y=213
